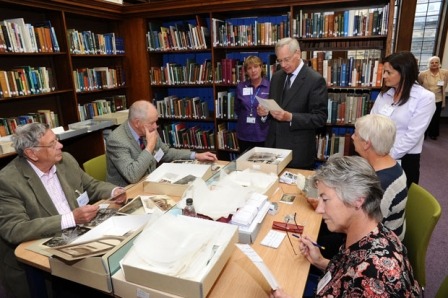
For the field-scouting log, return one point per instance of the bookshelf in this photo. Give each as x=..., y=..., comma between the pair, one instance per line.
x=41, y=68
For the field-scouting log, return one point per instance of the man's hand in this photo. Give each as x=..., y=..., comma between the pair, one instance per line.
x=151, y=139
x=282, y=115
x=119, y=196
x=206, y=156
x=85, y=214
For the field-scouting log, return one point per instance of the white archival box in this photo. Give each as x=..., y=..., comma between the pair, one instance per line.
x=174, y=171
x=96, y=271
x=203, y=251
x=263, y=163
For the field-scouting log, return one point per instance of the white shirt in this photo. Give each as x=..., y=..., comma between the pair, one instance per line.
x=411, y=119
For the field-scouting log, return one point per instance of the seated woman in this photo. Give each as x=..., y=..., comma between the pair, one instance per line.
x=372, y=261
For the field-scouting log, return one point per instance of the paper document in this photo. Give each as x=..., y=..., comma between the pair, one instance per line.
x=258, y=261
x=269, y=104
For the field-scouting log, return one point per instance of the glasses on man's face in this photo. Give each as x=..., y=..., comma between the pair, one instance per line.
x=52, y=144
x=288, y=218
x=286, y=60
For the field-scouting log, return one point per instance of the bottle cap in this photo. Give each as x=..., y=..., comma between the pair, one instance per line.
x=189, y=201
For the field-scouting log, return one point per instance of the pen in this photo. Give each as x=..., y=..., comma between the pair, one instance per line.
x=314, y=243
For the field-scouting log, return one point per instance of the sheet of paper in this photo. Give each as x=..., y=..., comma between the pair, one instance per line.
x=258, y=262
x=269, y=104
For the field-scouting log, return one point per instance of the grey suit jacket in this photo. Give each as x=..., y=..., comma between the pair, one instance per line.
x=307, y=101
x=27, y=211
x=127, y=163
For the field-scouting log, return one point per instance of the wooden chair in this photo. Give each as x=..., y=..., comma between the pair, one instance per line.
x=422, y=214
x=96, y=167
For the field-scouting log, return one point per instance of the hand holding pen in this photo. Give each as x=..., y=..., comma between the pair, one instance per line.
x=314, y=243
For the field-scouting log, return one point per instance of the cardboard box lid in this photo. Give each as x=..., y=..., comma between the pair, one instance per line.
x=136, y=270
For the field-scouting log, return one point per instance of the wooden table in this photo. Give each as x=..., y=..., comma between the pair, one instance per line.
x=240, y=277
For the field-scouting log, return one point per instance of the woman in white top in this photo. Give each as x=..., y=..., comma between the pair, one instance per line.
x=435, y=79
x=409, y=105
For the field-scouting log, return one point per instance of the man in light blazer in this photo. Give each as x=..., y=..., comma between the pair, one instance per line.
x=135, y=148
x=39, y=197
x=304, y=105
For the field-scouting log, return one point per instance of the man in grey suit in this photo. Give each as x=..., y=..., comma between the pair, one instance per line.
x=135, y=147
x=39, y=197
x=304, y=104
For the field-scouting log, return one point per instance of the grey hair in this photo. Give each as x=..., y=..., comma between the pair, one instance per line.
x=291, y=43
x=352, y=178
x=139, y=110
x=377, y=129
x=28, y=136
x=433, y=58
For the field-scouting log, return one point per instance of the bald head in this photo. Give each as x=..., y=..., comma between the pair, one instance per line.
x=143, y=114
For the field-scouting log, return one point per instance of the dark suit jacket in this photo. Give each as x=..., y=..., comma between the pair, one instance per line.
x=27, y=211
x=127, y=163
x=307, y=101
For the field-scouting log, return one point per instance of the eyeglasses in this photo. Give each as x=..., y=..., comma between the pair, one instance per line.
x=287, y=220
x=52, y=144
x=285, y=60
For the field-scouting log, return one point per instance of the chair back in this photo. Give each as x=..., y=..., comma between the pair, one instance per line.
x=96, y=167
x=422, y=214
x=443, y=290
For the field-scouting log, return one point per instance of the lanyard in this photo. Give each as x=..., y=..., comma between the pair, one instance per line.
x=252, y=100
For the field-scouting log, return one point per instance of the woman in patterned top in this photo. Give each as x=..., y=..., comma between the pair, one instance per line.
x=372, y=262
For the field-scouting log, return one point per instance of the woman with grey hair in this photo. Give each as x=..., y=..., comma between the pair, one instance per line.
x=372, y=261
x=435, y=79
x=373, y=138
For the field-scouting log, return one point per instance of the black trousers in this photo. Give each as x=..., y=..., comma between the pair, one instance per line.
x=411, y=167
x=433, y=128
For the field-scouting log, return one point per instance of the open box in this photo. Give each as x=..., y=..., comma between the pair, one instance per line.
x=268, y=160
x=91, y=124
x=136, y=268
x=170, y=173
x=116, y=118
x=96, y=271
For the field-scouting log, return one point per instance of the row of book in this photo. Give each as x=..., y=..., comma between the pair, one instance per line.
x=254, y=31
x=354, y=22
x=227, y=139
x=338, y=141
x=225, y=105
x=9, y=125
x=102, y=106
x=345, y=108
x=183, y=108
x=98, y=78
x=178, y=135
x=349, y=72
x=90, y=43
x=176, y=74
x=26, y=80
x=178, y=36
x=20, y=37
x=231, y=71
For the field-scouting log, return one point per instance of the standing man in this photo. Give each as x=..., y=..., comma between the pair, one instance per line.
x=42, y=192
x=302, y=94
x=134, y=148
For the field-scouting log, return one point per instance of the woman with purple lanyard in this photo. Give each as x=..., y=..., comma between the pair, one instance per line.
x=251, y=129
x=410, y=106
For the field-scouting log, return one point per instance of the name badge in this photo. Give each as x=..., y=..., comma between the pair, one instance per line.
x=159, y=154
x=387, y=110
x=247, y=91
x=83, y=199
x=323, y=282
x=440, y=83
x=250, y=120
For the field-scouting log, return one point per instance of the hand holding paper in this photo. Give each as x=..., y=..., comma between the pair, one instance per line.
x=269, y=104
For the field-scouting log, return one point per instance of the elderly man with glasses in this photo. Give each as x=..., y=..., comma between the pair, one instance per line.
x=301, y=92
x=40, y=196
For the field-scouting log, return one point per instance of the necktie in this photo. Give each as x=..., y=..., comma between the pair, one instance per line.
x=287, y=85
x=142, y=143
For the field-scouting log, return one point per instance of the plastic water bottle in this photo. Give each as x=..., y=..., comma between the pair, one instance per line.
x=189, y=208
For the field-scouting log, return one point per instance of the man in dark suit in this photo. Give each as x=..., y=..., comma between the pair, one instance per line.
x=39, y=197
x=135, y=148
x=303, y=103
